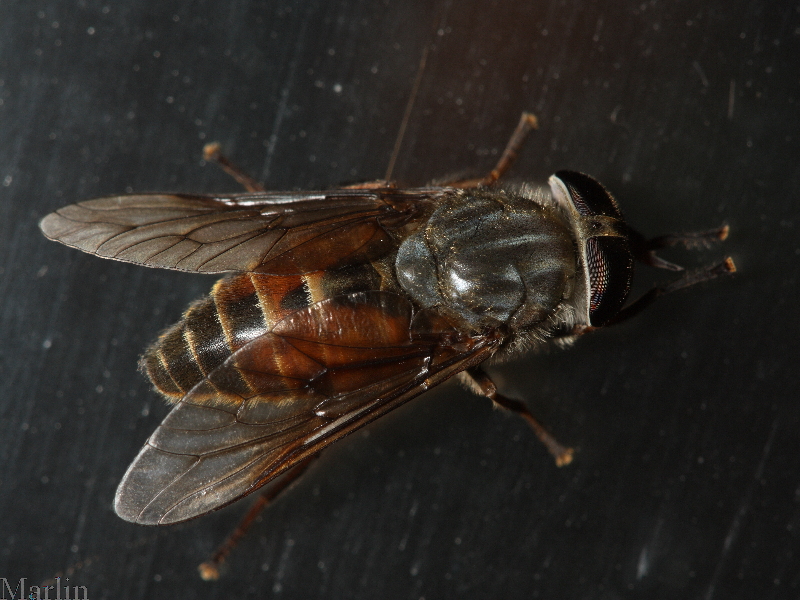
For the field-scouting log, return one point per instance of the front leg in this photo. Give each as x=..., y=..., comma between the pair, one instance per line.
x=726, y=267
x=644, y=249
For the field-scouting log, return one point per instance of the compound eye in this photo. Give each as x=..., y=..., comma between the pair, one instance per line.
x=588, y=195
x=610, y=266
x=609, y=260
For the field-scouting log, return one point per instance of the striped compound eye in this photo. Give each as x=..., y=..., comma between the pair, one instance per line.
x=608, y=259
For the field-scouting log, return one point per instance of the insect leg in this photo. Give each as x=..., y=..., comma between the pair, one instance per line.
x=644, y=249
x=692, y=240
x=213, y=153
x=209, y=570
x=480, y=382
x=723, y=268
x=527, y=123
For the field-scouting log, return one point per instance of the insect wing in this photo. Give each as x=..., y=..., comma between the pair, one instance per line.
x=319, y=374
x=266, y=232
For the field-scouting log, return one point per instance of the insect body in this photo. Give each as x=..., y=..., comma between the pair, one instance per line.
x=344, y=304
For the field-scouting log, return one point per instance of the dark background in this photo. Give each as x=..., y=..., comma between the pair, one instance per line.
x=687, y=417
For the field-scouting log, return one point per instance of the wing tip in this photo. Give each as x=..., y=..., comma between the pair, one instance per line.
x=128, y=503
x=50, y=225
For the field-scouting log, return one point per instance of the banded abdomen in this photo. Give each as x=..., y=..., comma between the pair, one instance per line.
x=239, y=309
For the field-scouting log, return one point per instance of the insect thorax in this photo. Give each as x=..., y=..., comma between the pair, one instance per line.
x=490, y=259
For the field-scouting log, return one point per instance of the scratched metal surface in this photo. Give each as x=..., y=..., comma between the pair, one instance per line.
x=687, y=418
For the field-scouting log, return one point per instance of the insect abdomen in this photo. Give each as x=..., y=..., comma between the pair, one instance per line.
x=238, y=310
x=209, y=332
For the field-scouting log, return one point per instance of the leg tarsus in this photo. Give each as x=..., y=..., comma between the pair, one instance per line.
x=482, y=384
x=724, y=268
x=213, y=153
x=693, y=240
x=644, y=249
x=209, y=570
